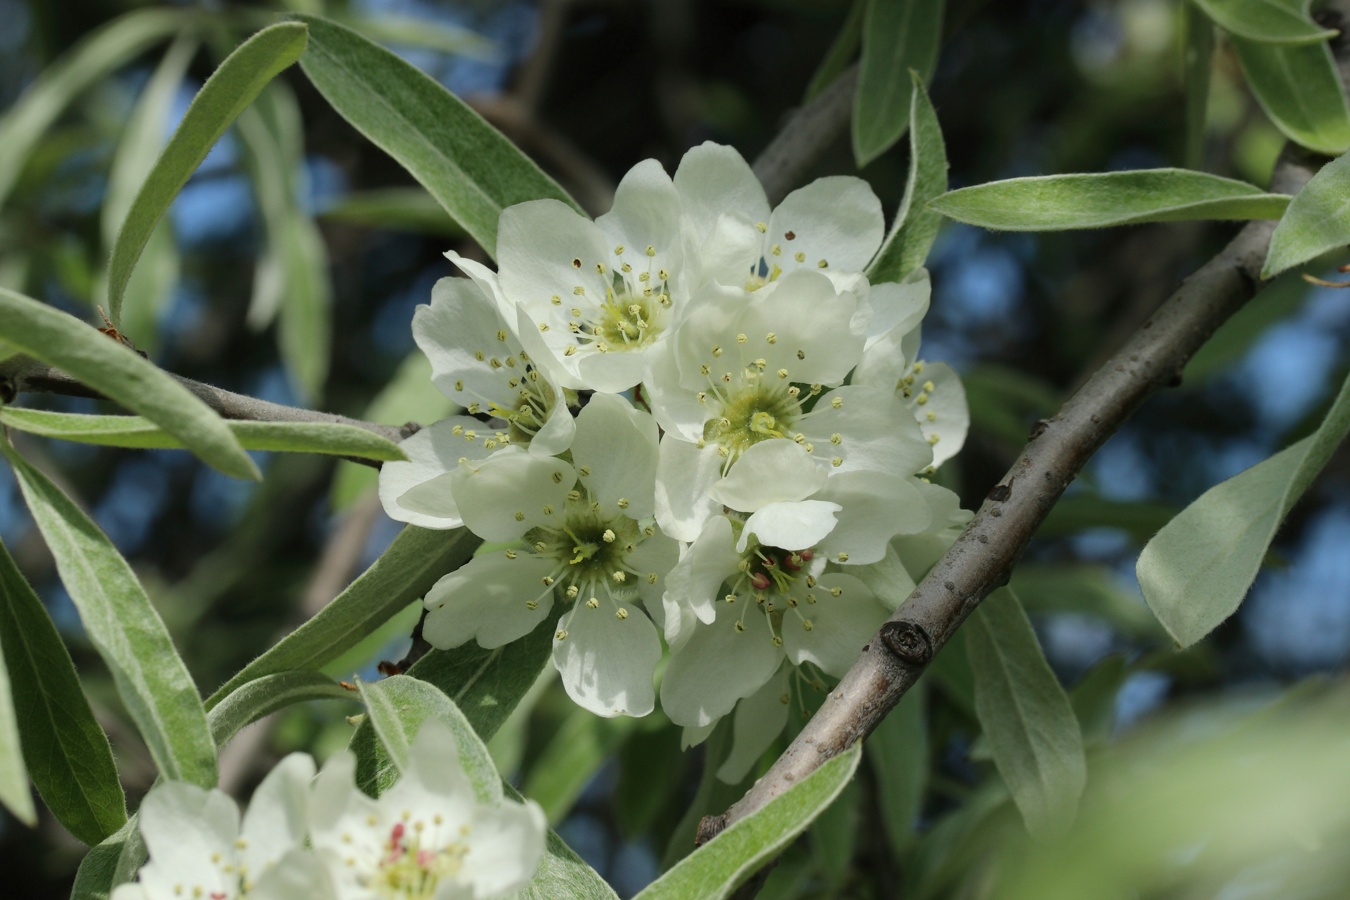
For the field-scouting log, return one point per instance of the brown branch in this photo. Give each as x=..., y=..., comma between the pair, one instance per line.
x=805, y=135
x=23, y=374
x=983, y=556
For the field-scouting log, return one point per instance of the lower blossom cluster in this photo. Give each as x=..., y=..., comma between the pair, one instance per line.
x=691, y=427
x=308, y=837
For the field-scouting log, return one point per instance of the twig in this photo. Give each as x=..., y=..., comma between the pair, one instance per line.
x=23, y=374
x=983, y=556
x=805, y=135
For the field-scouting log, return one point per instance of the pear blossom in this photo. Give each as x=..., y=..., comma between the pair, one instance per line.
x=833, y=225
x=428, y=837
x=600, y=296
x=581, y=534
x=747, y=367
x=751, y=592
x=199, y=848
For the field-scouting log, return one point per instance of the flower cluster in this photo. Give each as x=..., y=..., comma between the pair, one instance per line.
x=320, y=838
x=751, y=504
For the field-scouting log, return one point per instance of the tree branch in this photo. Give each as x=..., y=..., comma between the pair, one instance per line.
x=805, y=135
x=22, y=374
x=983, y=556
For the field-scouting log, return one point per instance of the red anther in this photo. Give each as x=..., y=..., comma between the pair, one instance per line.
x=770, y=562
x=792, y=565
x=396, y=835
x=807, y=555
x=760, y=581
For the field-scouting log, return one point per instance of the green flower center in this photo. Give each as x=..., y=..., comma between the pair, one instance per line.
x=759, y=411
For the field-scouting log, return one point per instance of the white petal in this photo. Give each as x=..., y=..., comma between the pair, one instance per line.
x=944, y=414
x=614, y=371
x=771, y=471
x=874, y=434
x=277, y=819
x=920, y=551
x=512, y=491
x=694, y=584
x=791, y=526
x=184, y=826
x=674, y=406
x=607, y=662
x=899, y=306
x=427, y=773
x=646, y=210
x=431, y=452
x=719, y=665
x=836, y=219
x=460, y=332
x=759, y=719
x=299, y=875
x=684, y=475
x=713, y=179
x=488, y=599
x=656, y=555
x=692, y=736
x=839, y=625
x=730, y=252
x=874, y=507
x=506, y=847
x=812, y=326
x=557, y=432
x=617, y=444
x=487, y=282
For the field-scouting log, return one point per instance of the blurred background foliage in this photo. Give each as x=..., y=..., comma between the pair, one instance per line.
x=295, y=256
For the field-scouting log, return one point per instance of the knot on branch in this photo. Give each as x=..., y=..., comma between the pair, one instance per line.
x=709, y=827
x=909, y=643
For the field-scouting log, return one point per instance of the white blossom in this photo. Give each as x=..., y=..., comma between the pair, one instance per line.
x=427, y=837
x=583, y=536
x=199, y=849
x=747, y=367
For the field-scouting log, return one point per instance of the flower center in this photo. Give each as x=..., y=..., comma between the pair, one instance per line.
x=590, y=550
x=412, y=866
x=757, y=409
x=780, y=582
x=633, y=311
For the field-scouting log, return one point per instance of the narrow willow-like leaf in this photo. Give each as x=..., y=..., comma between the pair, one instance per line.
x=1267, y=21
x=1034, y=736
x=484, y=685
x=263, y=696
x=1065, y=202
x=397, y=706
x=292, y=275
x=1300, y=91
x=897, y=752
x=1195, y=572
x=63, y=341
x=141, y=141
x=102, y=51
x=916, y=225
x=125, y=630
x=563, y=874
x=67, y=753
x=1197, y=52
x=230, y=89
x=842, y=49
x=714, y=870
x=333, y=439
x=417, y=31
x=466, y=164
x=399, y=209
x=1318, y=220
x=1094, y=698
x=897, y=36
x=573, y=756
x=405, y=571
x=14, y=795
x=408, y=397
x=97, y=875
x=834, y=838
